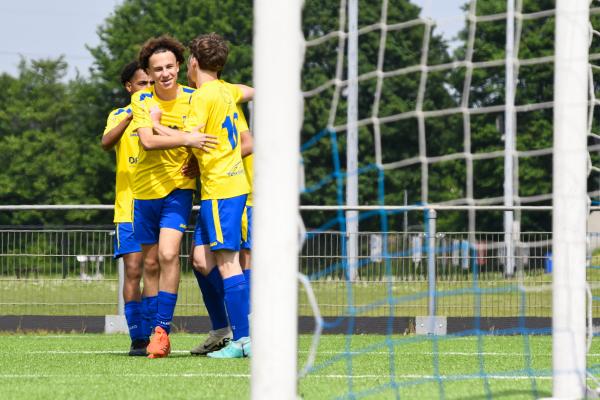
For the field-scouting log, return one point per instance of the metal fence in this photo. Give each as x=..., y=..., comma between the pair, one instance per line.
x=72, y=272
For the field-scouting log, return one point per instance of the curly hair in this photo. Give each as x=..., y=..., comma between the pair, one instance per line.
x=211, y=51
x=159, y=45
x=129, y=71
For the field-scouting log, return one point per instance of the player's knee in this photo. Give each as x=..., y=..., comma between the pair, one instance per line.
x=200, y=266
x=168, y=257
x=151, y=266
x=134, y=273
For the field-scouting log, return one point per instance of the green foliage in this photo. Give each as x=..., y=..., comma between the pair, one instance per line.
x=50, y=129
x=135, y=21
x=48, y=133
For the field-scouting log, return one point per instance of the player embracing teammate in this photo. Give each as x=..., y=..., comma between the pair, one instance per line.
x=225, y=189
x=167, y=118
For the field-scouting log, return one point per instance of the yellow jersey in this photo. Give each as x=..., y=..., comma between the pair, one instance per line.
x=248, y=161
x=158, y=172
x=222, y=175
x=126, y=151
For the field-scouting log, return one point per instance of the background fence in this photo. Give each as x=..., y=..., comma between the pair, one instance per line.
x=72, y=272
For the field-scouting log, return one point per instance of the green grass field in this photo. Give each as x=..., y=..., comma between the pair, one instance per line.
x=76, y=366
x=57, y=296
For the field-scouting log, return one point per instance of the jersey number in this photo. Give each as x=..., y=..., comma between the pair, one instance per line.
x=232, y=132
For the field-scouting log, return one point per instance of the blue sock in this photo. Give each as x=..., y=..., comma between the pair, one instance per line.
x=133, y=315
x=149, y=310
x=166, y=309
x=247, y=274
x=213, y=300
x=236, y=301
x=215, y=279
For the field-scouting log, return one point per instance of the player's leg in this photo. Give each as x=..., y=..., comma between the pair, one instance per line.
x=211, y=287
x=246, y=245
x=150, y=275
x=224, y=225
x=128, y=248
x=146, y=228
x=175, y=214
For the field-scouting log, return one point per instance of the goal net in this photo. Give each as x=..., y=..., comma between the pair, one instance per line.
x=444, y=125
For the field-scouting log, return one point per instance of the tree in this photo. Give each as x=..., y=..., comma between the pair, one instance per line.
x=135, y=21
x=400, y=138
x=533, y=130
x=50, y=149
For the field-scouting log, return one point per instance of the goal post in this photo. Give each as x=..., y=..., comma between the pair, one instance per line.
x=278, y=48
x=570, y=199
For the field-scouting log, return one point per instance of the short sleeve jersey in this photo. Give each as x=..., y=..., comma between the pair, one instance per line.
x=222, y=175
x=126, y=151
x=248, y=161
x=158, y=172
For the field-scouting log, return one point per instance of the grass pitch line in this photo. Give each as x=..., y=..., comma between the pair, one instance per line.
x=247, y=376
x=327, y=352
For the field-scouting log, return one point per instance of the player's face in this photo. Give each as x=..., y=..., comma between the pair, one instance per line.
x=139, y=81
x=163, y=69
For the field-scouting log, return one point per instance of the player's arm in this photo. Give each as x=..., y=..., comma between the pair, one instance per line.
x=245, y=134
x=247, y=92
x=112, y=137
x=165, y=131
x=150, y=141
x=247, y=143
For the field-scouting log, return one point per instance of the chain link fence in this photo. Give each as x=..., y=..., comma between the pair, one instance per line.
x=72, y=272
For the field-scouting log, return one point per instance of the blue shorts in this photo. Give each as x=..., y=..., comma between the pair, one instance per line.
x=220, y=223
x=172, y=211
x=124, y=242
x=247, y=228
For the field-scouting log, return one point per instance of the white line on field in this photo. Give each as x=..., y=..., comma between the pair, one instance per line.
x=354, y=353
x=315, y=376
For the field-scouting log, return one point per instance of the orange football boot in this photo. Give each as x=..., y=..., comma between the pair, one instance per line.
x=159, y=346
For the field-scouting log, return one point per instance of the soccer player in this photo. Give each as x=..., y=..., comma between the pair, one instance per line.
x=224, y=184
x=163, y=196
x=119, y=135
x=209, y=279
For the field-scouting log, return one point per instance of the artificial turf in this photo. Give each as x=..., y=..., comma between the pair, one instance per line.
x=89, y=366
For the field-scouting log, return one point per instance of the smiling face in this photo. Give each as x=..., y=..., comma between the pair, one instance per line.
x=163, y=69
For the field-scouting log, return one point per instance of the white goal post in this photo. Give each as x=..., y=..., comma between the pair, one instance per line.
x=570, y=198
x=278, y=56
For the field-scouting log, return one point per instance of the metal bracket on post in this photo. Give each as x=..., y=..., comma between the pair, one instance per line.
x=431, y=324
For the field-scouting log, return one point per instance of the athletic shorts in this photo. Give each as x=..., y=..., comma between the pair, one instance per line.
x=219, y=223
x=124, y=242
x=247, y=228
x=172, y=211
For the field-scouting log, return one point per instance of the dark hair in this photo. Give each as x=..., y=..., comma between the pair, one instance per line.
x=159, y=45
x=211, y=51
x=129, y=71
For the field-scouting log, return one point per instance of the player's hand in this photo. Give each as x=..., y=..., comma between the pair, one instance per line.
x=201, y=141
x=198, y=129
x=155, y=114
x=191, y=169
